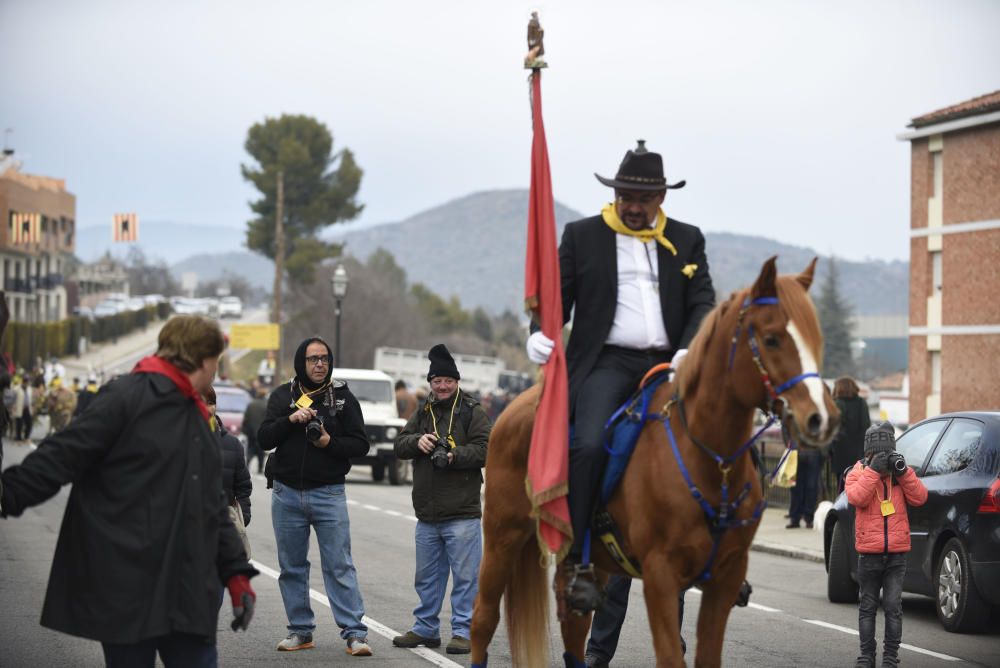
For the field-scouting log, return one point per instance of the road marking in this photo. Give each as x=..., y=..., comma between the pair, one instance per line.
x=368, y=506
x=373, y=625
x=763, y=608
x=854, y=632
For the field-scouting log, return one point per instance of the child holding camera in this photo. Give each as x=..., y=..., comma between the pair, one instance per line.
x=880, y=487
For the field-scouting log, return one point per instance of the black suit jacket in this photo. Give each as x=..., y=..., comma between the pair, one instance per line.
x=588, y=265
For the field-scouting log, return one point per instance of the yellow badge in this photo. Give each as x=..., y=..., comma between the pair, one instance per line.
x=887, y=508
x=689, y=270
x=304, y=401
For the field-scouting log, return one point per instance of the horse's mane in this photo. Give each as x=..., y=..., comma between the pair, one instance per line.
x=795, y=302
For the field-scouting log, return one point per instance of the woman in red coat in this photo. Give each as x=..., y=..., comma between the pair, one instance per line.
x=880, y=488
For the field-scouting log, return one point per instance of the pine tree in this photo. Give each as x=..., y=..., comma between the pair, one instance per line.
x=835, y=320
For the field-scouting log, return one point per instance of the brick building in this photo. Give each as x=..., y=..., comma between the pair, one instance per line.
x=33, y=272
x=955, y=258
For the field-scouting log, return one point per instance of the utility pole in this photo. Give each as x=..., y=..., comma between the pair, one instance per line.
x=279, y=269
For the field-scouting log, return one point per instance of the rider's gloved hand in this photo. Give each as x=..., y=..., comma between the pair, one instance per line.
x=675, y=363
x=539, y=347
x=243, y=598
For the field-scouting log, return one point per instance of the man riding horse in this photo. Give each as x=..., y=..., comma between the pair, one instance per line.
x=640, y=286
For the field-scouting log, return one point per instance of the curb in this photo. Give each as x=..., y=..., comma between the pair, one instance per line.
x=786, y=551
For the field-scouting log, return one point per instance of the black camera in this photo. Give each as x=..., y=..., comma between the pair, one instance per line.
x=439, y=455
x=896, y=463
x=314, y=430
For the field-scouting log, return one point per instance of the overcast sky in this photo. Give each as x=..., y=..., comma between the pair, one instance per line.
x=782, y=116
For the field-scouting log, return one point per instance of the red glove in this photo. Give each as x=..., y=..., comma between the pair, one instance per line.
x=243, y=598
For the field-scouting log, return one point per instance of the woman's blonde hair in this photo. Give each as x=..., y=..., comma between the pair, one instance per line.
x=186, y=341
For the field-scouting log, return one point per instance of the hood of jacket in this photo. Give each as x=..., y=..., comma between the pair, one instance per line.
x=300, y=364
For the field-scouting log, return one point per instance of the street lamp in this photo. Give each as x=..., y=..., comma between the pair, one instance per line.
x=338, y=283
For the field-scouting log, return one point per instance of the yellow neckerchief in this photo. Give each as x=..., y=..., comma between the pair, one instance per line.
x=451, y=418
x=611, y=219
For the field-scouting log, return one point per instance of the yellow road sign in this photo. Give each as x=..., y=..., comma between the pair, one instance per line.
x=255, y=337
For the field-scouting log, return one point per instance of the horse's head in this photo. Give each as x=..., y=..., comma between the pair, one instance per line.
x=776, y=353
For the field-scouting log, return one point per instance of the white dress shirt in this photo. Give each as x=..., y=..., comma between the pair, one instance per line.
x=638, y=318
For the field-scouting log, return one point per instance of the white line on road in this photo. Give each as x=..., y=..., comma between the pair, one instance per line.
x=368, y=506
x=373, y=625
x=853, y=632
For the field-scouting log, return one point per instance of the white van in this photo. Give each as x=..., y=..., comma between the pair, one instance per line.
x=374, y=391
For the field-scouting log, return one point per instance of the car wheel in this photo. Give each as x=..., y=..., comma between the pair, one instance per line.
x=399, y=472
x=959, y=606
x=378, y=471
x=840, y=588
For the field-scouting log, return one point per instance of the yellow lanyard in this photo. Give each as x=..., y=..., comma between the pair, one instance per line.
x=451, y=418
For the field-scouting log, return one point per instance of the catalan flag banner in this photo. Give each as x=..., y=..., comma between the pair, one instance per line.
x=26, y=228
x=126, y=227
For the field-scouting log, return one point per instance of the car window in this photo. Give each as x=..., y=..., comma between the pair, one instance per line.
x=958, y=448
x=375, y=391
x=231, y=402
x=918, y=441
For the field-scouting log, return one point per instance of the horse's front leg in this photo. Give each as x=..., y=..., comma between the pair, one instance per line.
x=661, y=590
x=718, y=596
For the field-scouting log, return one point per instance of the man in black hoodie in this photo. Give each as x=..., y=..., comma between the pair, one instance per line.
x=315, y=426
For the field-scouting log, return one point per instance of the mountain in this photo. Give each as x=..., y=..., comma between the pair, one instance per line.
x=473, y=248
x=161, y=240
x=255, y=268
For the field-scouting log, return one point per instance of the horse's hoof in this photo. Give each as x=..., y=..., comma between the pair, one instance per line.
x=572, y=661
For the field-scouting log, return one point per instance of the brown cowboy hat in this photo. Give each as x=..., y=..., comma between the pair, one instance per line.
x=640, y=170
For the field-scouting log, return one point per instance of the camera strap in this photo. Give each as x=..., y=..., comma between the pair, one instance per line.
x=451, y=418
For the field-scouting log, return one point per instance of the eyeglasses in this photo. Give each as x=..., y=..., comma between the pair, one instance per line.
x=316, y=360
x=628, y=198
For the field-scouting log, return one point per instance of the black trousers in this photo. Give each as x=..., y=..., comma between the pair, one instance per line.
x=615, y=375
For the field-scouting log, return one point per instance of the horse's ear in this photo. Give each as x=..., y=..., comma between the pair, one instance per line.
x=764, y=285
x=805, y=279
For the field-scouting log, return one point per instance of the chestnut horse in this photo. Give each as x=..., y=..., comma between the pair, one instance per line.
x=762, y=348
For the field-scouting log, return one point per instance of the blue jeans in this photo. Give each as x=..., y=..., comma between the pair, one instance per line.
x=182, y=650
x=324, y=509
x=885, y=572
x=455, y=545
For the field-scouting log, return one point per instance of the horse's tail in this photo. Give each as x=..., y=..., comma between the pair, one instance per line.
x=526, y=607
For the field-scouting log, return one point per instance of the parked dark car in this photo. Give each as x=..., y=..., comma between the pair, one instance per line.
x=955, y=536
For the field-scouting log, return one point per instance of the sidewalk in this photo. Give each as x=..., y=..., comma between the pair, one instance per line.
x=774, y=538
x=107, y=355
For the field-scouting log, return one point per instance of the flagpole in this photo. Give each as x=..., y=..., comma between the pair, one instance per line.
x=548, y=458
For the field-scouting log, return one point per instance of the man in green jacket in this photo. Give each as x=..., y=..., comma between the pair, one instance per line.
x=446, y=439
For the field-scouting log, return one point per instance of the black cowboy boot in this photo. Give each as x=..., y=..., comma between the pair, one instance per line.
x=744, y=596
x=583, y=593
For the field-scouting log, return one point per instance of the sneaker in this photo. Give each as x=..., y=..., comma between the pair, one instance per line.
x=358, y=646
x=458, y=645
x=409, y=640
x=295, y=641
x=594, y=661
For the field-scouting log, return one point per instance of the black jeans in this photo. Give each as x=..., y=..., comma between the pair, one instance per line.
x=806, y=488
x=182, y=650
x=607, y=625
x=615, y=375
x=885, y=572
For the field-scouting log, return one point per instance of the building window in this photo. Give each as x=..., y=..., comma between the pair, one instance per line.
x=936, y=372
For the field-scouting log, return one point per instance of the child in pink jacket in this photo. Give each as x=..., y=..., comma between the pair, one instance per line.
x=880, y=487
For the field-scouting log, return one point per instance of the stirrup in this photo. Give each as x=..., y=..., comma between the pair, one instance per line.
x=743, y=598
x=583, y=595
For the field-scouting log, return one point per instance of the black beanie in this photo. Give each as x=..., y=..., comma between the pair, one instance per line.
x=880, y=438
x=300, y=364
x=442, y=363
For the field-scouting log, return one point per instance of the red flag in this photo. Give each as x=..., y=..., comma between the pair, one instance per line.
x=548, y=460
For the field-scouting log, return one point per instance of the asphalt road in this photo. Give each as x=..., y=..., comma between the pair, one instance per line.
x=789, y=623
